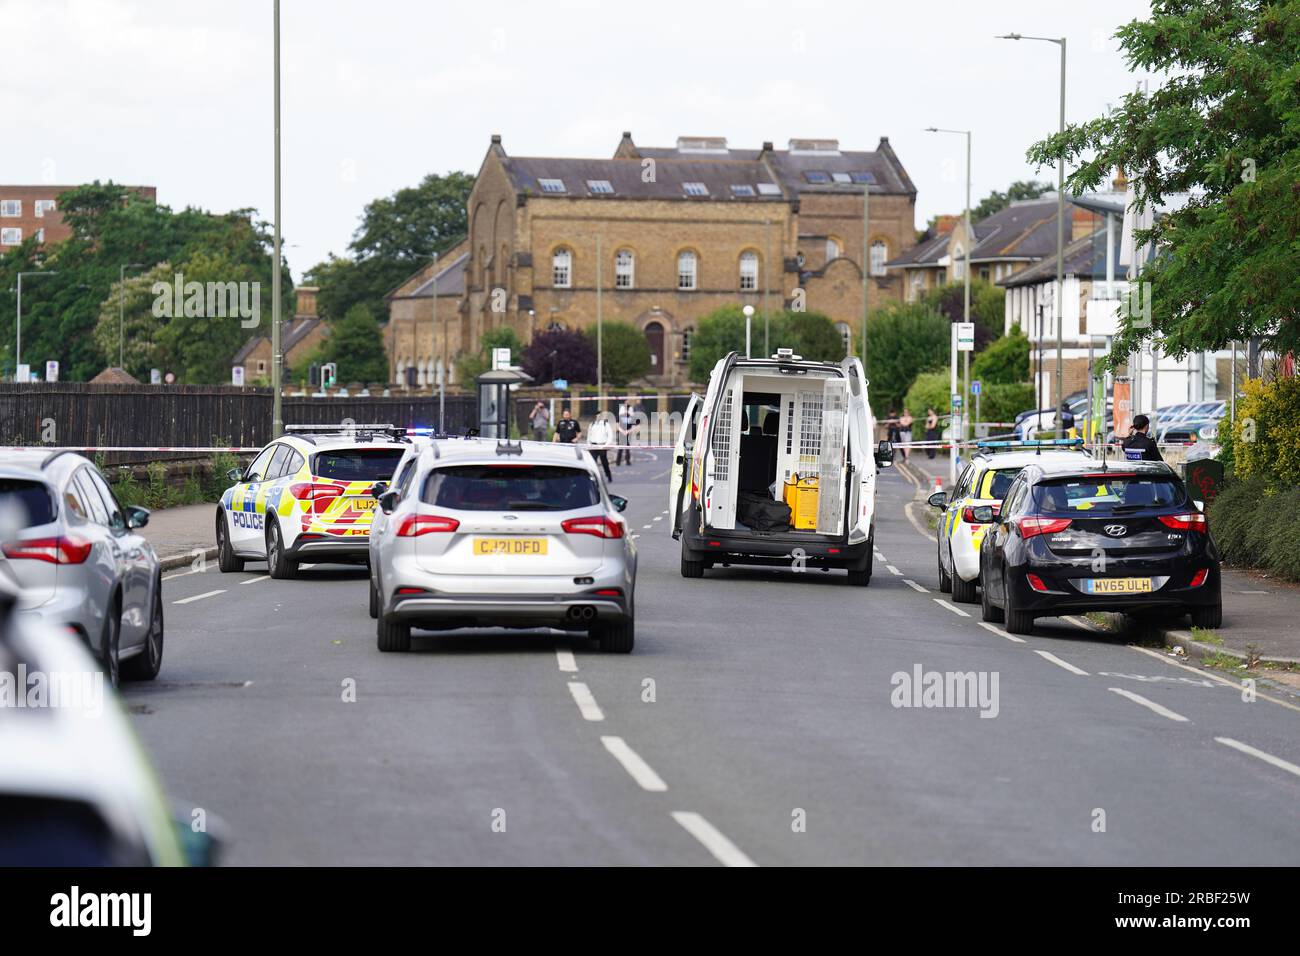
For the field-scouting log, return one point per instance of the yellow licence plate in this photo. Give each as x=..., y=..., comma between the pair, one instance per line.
x=1119, y=585
x=364, y=504
x=510, y=546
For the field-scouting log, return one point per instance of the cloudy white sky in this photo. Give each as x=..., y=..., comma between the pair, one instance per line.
x=375, y=95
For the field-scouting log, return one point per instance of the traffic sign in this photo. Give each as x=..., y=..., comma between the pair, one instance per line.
x=956, y=402
x=51, y=371
x=975, y=387
x=965, y=336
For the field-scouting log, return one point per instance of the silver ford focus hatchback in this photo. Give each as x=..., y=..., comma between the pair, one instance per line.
x=79, y=560
x=481, y=533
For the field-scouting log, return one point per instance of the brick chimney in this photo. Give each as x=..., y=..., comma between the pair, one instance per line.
x=306, y=301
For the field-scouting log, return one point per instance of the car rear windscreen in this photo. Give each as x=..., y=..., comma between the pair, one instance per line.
x=29, y=501
x=510, y=488
x=1105, y=494
x=357, y=464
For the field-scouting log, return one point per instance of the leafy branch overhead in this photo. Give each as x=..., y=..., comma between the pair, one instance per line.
x=1224, y=126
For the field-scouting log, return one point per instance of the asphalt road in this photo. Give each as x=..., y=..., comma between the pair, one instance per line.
x=754, y=722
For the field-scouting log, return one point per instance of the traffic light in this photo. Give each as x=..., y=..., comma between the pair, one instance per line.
x=313, y=374
x=329, y=374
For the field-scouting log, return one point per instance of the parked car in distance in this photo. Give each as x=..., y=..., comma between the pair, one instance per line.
x=79, y=560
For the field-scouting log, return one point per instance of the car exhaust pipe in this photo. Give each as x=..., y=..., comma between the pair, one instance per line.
x=581, y=613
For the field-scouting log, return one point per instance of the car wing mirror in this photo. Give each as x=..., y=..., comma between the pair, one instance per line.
x=938, y=500
x=136, y=517
x=388, y=501
x=234, y=474
x=885, y=454
x=983, y=514
x=619, y=502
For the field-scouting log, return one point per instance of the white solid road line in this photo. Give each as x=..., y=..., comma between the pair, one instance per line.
x=1149, y=704
x=914, y=586
x=639, y=770
x=646, y=527
x=999, y=632
x=1060, y=663
x=952, y=607
x=1254, y=752
x=587, y=705
x=893, y=570
x=264, y=577
x=879, y=554
x=566, y=661
x=1167, y=658
x=907, y=510
x=726, y=852
x=200, y=597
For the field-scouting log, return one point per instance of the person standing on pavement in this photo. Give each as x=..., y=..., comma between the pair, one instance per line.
x=567, y=429
x=540, y=419
x=1139, y=446
x=625, y=423
x=905, y=430
x=931, y=431
x=599, y=437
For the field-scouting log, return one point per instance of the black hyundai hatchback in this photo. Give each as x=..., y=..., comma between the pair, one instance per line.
x=1077, y=537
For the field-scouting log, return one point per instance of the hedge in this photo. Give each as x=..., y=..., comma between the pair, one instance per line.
x=1256, y=524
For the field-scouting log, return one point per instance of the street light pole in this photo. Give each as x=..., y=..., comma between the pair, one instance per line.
x=18, y=339
x=121, y=309
x=866, y=262
x=277, y=357
x=1059, y=302
x=969, y=245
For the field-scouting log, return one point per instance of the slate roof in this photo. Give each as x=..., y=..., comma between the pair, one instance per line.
x=625, y=176
x=1085, y=258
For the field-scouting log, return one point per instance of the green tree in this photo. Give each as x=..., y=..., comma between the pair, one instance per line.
x=1224, y=125
x=1005, y=361
x=987, y=307
x=928, y=390
x=903, y=341
x=355, y=343
x=396, y=236
x=626, y=352
x=809, y=334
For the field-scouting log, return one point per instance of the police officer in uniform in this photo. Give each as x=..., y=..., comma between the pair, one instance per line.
x=1139, y=446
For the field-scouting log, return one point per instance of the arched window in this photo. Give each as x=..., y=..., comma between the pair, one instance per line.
x=686, y=270
x=748, y=271
x=846, y=336
x=562, y=268
x=879, y=256
x=958, y=261
x=624, y=269
x=832, y=249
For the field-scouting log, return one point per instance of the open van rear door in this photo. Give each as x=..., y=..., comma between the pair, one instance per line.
x=681, y=455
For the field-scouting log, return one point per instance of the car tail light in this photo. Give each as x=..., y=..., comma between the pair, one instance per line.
x=413, y=526
x=320, y=495
x=1199, y=577
x=1034, y=526
x=63, y=549
x=1194, y=521
x=600, y=526
x=403, y=592
x=609, y=592
x=1036, y=583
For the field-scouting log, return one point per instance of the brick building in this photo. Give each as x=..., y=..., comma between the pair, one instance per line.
x=668, y=234
x=27, y=211
x=299, y=337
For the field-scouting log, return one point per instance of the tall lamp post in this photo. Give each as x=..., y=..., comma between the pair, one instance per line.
x=277, y=355
x=18, y=337
x=969, y=245
x=1059, y=301
x=121, y=309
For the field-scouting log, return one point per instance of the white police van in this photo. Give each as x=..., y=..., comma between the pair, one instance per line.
x=762, y=424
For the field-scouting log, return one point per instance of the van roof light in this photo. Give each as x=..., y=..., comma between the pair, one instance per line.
x=787, y=355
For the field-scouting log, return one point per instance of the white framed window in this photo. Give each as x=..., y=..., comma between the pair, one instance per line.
x=686, y=344
x=833, y=250
x=958, y=262
x=600, y=187
x=624, y=269
x=687, y=268
x=11, y=207
x=40, y=235
x=879, y=256
x=695, y=189
x=918, y=284
x=43, y=206
x=846, y=336
x=842, y=177
x=562, y=268
x=551, y=185
x=748, y=271
x=11, y=236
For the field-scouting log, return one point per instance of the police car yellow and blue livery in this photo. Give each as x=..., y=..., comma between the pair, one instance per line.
x=984, y=481
x=305, y=496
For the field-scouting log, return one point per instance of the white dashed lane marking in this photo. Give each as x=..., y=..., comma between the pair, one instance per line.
x=586, y=702
x=1262, y=755
x=638, y=769
x=952, y=607
x=200, y=597
x=1148, y=704
x=1060, y=663
x=566, y=661
x=1001, y=633
x=914, y=586
x=726, y=852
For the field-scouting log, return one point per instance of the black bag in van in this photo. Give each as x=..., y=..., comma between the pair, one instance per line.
x=761, y=513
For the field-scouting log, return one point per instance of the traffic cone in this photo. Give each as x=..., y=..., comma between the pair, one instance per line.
x=938, y=483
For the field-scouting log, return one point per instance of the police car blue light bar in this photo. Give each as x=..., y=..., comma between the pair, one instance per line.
x=1033, y=443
